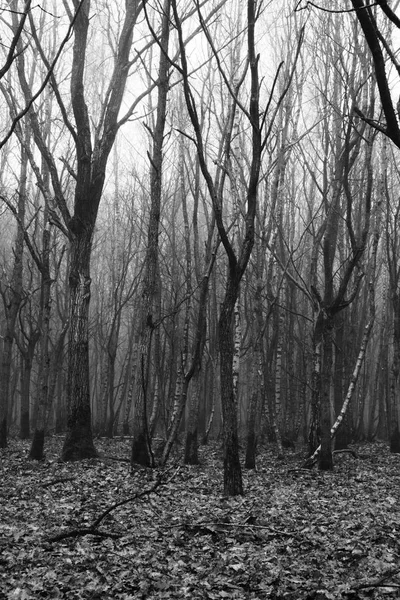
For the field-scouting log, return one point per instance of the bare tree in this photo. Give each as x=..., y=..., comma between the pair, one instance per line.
x=92, y=150
x=377, y=36
x=237, y=260
x=141, y=444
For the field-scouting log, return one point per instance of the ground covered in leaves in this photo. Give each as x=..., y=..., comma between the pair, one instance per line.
x=295, y=535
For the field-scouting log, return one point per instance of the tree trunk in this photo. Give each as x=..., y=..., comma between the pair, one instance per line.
x=141, y=453
x=12, y=297
x=191, y=442
x=78, y=442
x=251, y=442
x=233, y=485
x=43, y=400
x=395, y=376
x=325, y=456
x=27, y=357
x=141, y=450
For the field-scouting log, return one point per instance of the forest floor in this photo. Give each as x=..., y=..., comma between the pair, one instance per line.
x=295, y=535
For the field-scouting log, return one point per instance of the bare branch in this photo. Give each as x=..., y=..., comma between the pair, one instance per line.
x=35, y=96
x=298, y=8
x=11, y=53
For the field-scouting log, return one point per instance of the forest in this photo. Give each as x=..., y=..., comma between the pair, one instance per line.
x=200, y=278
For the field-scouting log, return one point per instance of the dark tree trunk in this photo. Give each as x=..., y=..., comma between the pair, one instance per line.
x=37, y=446
x=325, y=462
x=191, y=450
x=395, y=442
x=251, y=442
x=12, y=297
x=24, y=428
x=43, y=399
x=233, y=485
x=78, y=442
x=191, y=447
x=314, y=435
x=191, y=441
x=141, y=451
x=24, y=425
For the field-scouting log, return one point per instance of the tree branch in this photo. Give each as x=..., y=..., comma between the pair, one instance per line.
x=92, y=529
x=35, y=96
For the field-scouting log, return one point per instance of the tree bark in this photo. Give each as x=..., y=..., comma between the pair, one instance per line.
x=78, y=442
x=90, y=176
x=325, y=457
x=43, y=398
x=233, y=485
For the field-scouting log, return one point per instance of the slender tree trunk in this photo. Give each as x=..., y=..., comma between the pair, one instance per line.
x=314, y=436
x=278, y=382
x=210, y=393
x=254, y=408
x=111, y=358
x=43, y=400
x=251, y=441
x=141, y=451
x=192, y=431
x=395, y=377
x=12, y=297
x=233, y=485
x=325, y=457
x=26, y=375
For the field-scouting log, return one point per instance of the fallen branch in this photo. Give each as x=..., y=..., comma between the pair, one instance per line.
x=210, y=526
x=346, y=450
x=58, y=480
x=379, y=581
x=115, y=458
x=80, y=532
x=92, y=529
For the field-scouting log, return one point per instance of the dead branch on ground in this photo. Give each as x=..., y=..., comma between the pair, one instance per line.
x=92, y=529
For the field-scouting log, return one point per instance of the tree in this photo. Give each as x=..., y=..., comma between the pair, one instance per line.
x=340, y=275
x=92, y=149
x=237, y=260
x=12, y=295
x=141, y=444
x=379, y=45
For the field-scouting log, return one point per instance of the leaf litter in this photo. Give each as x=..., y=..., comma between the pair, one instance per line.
x=295, y=535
